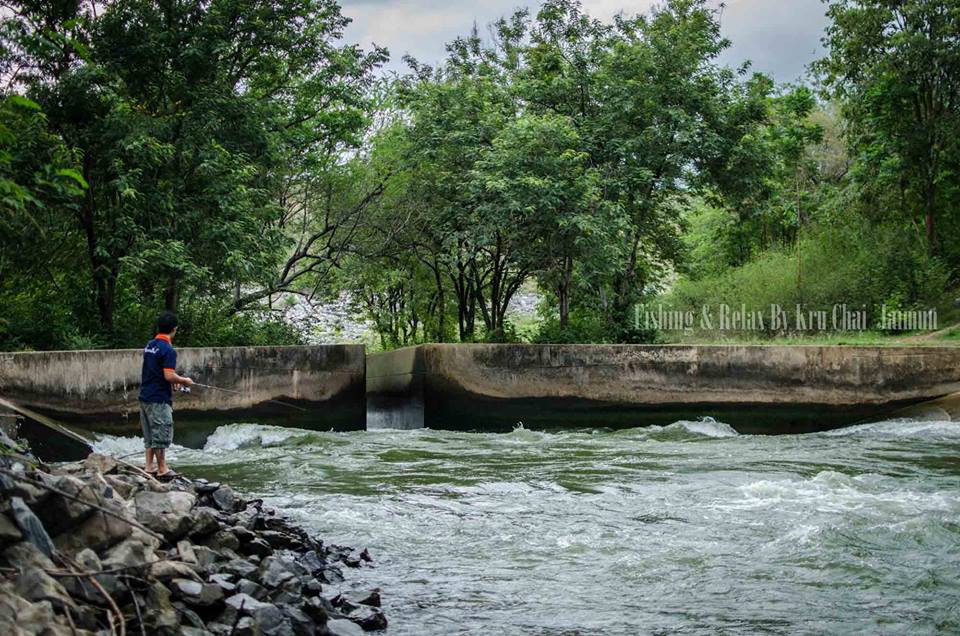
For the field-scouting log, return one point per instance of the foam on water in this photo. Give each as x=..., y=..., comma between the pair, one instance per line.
x=237, y=436
x=119, y=446
x=901, y=428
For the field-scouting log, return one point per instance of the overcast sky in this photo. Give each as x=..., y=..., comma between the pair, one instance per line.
x=780, y=37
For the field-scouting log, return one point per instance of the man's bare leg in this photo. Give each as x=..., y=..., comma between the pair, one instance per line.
x=161, y=454
x=148, y=465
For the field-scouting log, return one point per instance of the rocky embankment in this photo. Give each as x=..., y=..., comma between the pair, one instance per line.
x=99, y=547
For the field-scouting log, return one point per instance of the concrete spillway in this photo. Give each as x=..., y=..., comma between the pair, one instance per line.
x=759, y=389
x=489, y=387
x=98, y=389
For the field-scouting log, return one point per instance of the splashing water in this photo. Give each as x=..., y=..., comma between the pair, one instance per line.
x=686, y=528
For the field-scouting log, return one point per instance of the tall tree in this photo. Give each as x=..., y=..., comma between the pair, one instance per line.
x=895, y=67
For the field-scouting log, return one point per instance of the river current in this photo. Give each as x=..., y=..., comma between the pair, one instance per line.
x=684, y=529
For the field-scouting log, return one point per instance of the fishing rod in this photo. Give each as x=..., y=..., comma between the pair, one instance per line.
x=217, y=388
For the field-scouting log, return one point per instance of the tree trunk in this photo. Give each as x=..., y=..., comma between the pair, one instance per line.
x=104, y=277
x=929, y=203
x=563, y=290
x=171, y=297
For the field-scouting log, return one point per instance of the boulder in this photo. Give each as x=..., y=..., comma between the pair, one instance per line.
x=225, y=499
x=369, y=618
x=196, y=593
x=257, y=547
x=245, y=604
x=30, y=526
x=257, y=591
x=98, y=532
x=159, y=613
x=302, y=624
x=341, y=627
x=165, y=512
x=204, y=487
x=223, y=540
x=123, y=485
x=130, y=553
x=274, y=572
x=165, y=570
x=240, y=568
x=203, y=522
x=225, y=582
x=9, y=532
x=27, y=555
x=102, y=464
x=60, y=513
x=35, y=585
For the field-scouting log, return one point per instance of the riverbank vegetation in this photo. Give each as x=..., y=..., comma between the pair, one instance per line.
x=214, y=158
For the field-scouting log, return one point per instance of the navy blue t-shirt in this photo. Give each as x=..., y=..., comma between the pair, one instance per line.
x=157, y=356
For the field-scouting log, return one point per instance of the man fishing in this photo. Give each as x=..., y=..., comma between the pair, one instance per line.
x=158, y=379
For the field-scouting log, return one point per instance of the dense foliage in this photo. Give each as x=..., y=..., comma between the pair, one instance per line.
x=216, y=156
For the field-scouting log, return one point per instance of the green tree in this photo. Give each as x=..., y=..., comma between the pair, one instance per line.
x=895, y=68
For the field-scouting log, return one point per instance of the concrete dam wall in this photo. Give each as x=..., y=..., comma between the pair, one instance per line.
x=757, y=389
x=492, y=387
x=99, y=388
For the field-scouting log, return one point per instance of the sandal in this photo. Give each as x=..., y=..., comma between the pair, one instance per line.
x=170, y=475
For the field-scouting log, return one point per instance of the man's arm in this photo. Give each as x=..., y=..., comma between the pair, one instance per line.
x=171, y=376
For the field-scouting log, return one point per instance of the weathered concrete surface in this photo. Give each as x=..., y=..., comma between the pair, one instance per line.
x=102, y=386
x=755, y=388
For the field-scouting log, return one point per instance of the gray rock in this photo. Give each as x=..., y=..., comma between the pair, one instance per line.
x=36, y=585
x=223, y=540
x=130, y=553
x=26, y=554
x=185, y=550
x=240, y=568
x=165, y=570
x=272, y=621
x=244, y=626
x=245, y=604
x=165, y=512
x=312, y=587
x=21, y=617
x=203, y=487
x=257, y=591
x=224, y=582
x=203, y=522
x=206, y=557
x=9, y=533
x=88, y=560
x=341, y=627
x=302, y=624
x=318, y=608
x=274, y=572
x=196, y=593
x=188, y=616
x=60, y=513
x=243, y=534
x=369, y=618
x=102, y=464
x=312, y=562
x=98, y=533
x=159, y=613
x=122, y=485
x=225, y=499
x=257, y=547
x=30, y=526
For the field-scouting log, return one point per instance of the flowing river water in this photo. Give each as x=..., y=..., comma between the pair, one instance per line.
x=689, y=528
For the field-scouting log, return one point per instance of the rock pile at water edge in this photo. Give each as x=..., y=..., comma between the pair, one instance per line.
x=99, y=547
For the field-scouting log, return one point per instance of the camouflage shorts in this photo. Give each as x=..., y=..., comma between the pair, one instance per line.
x=156, y=419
